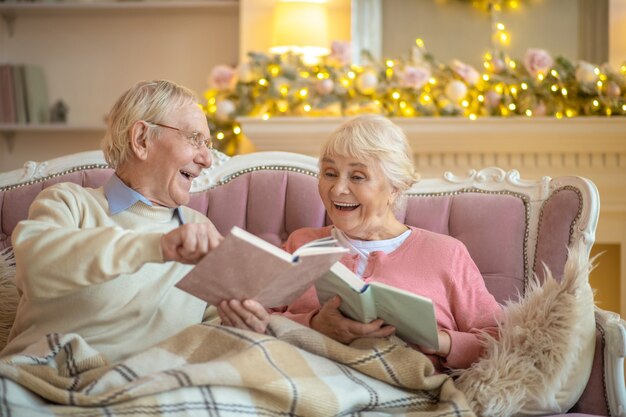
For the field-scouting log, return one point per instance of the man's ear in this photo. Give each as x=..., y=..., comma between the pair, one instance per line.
x=139, y=140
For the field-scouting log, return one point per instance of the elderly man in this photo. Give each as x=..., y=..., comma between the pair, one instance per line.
x=103, y=262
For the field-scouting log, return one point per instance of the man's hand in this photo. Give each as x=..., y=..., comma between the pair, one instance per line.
x=247, y=314
x=190, y=242
x=332, y=323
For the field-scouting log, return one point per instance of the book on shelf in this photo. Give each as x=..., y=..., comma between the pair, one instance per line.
x=245, y=266
x=20, y=94
x=412, y=315
x=8, y=112
x=36, y=93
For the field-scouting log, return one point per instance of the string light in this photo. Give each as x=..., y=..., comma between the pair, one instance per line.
x=286, y=86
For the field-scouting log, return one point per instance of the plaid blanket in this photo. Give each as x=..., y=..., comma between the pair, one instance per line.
x=214, y=370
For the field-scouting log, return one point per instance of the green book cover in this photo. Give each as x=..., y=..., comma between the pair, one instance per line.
x=20, y=94
x=412, y=315
x=37, y=105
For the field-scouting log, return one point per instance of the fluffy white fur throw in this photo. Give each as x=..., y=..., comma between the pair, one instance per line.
x=543, y=359
x=8, y=294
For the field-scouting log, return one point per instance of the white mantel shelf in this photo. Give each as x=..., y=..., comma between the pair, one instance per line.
x=454, y=134
x=592, y=147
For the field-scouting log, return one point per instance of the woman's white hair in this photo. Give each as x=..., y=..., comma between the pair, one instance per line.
x=146, y=100
x=376, y=138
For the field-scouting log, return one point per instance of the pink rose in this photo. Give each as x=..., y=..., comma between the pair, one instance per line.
x=414, y=77
x=465, y=71
x=540, y=109
x=492, y=99
x=223, y=77
x=537, y=61
x=340, y=52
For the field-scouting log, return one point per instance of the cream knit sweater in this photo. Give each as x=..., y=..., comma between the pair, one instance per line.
x=81, y=270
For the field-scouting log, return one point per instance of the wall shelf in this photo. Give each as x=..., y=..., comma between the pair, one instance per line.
x=48, y=127
x=98, y=5
x=8, y=131
x=10, y=11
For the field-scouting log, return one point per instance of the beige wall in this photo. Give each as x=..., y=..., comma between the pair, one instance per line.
x=617, y=32
x=91, y=57
x=454, y=30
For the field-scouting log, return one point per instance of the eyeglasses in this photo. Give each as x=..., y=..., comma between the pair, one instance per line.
x=197, y=139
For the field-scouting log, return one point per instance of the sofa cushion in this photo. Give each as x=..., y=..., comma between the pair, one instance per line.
x=491, y=225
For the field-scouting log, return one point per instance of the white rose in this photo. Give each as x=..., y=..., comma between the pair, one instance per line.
x=456, y=90
x=224, y=110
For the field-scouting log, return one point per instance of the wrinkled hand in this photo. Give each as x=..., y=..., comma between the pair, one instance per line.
x=190, y=242
x=332, y=323
x=246, y=314
x=445, y=343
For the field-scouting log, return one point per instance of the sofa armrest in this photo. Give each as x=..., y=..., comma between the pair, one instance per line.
x=614, y=329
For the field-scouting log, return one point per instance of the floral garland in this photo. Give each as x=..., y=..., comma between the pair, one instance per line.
x=283, y=85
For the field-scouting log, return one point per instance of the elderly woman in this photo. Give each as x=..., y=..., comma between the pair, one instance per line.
x=365, y=167
x=103, y=262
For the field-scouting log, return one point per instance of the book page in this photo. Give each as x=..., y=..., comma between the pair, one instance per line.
x=322, y=245
x=412, y=315
x=242, y=268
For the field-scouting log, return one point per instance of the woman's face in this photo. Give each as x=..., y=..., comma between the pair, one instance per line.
x=173, y=160
x=357, y=196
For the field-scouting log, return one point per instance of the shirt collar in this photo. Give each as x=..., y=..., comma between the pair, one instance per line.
x=121, y=197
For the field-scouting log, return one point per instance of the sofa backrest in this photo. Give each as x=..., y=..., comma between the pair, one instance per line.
x=510, y=226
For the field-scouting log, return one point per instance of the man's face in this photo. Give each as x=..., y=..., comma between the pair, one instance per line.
x=173, y=160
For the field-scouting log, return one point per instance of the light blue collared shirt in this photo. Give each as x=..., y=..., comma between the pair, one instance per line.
x=121, y=197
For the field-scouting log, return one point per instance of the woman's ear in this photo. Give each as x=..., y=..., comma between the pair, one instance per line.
x=394, y=195
x=139, y=139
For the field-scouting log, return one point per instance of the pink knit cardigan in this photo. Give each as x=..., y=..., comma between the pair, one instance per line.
x=429, y=264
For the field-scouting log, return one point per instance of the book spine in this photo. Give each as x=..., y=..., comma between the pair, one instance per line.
x=7, y=94
x=368, y=304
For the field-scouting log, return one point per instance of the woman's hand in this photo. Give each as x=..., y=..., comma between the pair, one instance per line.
x=190, y=242
x=445, y=343
x=246, y=314
x=332, y=323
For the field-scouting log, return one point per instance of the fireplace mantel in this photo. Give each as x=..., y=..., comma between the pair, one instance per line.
x=592, y=147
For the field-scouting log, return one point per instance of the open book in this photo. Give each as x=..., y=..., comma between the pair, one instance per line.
x=245, y=266
x=412, y=315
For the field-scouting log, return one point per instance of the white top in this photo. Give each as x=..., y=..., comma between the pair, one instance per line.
x=364, y=247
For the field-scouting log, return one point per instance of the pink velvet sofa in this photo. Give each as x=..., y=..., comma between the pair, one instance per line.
x=509, y=225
